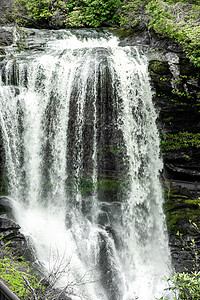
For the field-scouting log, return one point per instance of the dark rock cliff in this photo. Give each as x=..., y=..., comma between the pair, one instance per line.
x=176, y=83
x=10, y=231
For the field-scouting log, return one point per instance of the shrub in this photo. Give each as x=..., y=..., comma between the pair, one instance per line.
x=185, y=286
x=66, y=13
x=180, y=21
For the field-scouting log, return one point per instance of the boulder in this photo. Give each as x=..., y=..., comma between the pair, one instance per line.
x=6, y=224
x=6, y=38
x=5, y=205
x=10, y=234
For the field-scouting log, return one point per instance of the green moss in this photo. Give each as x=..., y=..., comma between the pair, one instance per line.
x=180, y=140
x=180, y=197
x=168, y=118
x=180, y=209
x=193, y=201
x=121, y=32
x=183, y=76
x=157, y=65
x=182, y=94
x=110, y=185
x=164, y=78
x=176, y=219
x=13, y=270
x=25, y=280
x=174, y=99
x=86, y=186
x=176, y=81
x=116, y=150
x=14, y=278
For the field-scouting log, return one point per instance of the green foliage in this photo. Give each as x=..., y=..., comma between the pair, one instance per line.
x=181, y=94
x=179, y=21
x=13, y=270
x=180, y=140
x=128, y=12
x=191, y=245
x=14, y=277
x=26, y=12
x=186, y=286
x=65, y=13
x=29, y=283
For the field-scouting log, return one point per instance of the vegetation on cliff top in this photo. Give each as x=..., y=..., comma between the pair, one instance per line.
x=66, y=13
x=176, y=19
x=179, y=20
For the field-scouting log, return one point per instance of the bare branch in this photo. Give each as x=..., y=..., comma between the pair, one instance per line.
x=30, y=288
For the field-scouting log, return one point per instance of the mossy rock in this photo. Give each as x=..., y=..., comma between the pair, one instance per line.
x=159, y=67
x=179, y=220
x=181, y=212
x=108, y=190
x=121, y=32
x=6, y=37
x=5, y=205
x=3, y=187
x=187, y=68
x=111, y=190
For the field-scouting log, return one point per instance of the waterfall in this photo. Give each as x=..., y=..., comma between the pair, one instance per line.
x=82, y=160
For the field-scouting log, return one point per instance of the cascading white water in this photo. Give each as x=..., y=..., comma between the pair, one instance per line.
x=82, y=157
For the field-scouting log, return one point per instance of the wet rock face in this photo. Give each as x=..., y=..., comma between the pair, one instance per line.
x=10, y=230
x=5, y=206
x=3, y=179
x=183, y=220
x=176, y=83
x=110, y=275
x=6, y=39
